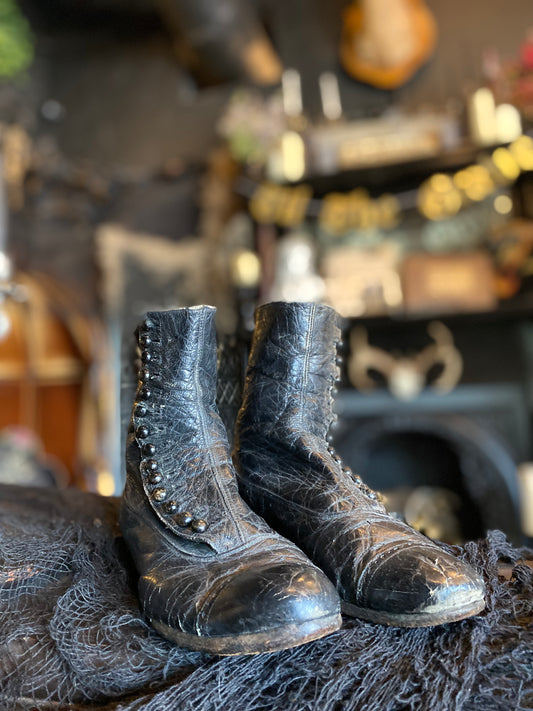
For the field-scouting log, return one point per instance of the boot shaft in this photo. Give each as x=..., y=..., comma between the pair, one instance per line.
x=178, y=354
x=282, y=440
x=177, y=448
x=292, y=369
x=177, y=381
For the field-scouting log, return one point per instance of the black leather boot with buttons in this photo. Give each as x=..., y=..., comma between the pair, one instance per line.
x=384, y=571
x=212, y=575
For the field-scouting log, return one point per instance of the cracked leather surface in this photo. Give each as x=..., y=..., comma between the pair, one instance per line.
x=186, y=432
x=291, y=477
x=231, y=574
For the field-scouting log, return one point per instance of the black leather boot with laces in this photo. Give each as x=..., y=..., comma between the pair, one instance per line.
x=384, y=571
x=212, y=575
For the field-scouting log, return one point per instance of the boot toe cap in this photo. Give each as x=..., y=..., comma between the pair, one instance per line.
x=258, y=599
x=421, y=586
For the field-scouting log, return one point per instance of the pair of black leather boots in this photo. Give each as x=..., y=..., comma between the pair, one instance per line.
x=204, y=531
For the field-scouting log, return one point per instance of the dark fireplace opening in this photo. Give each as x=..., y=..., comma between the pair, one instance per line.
x=447, y=465
x=402, y=463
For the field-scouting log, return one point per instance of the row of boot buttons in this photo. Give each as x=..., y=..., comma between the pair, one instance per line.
x=334, y=455
x=333, y=392
x=149, y=466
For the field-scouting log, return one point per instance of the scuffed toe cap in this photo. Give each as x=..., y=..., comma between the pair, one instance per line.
x=258, y=599
x=424, y=583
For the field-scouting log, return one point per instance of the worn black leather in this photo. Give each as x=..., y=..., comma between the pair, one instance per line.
x=384, y=570
x=213, y=575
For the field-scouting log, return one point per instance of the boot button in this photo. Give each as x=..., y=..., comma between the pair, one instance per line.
x=150, y=465
x=338, y=360
x=145, y=340
x=142, y=431
x=144, y=375
x=154, y=477
x=148, y=323
x=199, y=525
x=146, y=357
x=183, y=518
x=145, y=393
x=159, y=494
x=170, y=507
x=140, y=410
x=148, y=449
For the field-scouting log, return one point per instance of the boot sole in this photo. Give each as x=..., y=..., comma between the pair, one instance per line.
x=273, y=640
x=418, y=619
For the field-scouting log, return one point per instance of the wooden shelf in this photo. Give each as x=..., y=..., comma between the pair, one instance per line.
x=395, y=176
x=514, y=310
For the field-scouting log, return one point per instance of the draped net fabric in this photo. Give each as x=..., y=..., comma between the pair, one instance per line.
x=72, y=635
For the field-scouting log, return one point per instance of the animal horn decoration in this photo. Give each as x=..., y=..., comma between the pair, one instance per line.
x=406, y=376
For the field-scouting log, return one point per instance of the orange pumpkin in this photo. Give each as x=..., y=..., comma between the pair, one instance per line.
x=384, y=42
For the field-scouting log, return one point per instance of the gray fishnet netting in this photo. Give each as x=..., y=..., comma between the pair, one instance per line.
x=72, y=636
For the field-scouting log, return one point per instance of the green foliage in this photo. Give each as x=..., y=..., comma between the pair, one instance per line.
x=16, y=46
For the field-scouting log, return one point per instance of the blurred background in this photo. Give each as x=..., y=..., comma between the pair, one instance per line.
x=373, y=154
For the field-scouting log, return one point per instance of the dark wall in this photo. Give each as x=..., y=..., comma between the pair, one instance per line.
x=126, y=99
